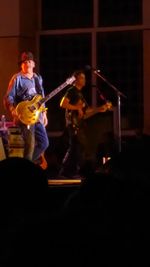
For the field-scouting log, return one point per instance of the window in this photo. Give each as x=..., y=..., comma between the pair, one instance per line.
x=63, y=14
x=120, y=60
x=72, y=41
x=60, y=56
x=117, y=13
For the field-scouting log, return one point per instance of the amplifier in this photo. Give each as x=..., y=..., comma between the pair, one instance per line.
x=15, y=142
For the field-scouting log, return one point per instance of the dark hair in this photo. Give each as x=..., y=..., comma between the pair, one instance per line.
x=77, y=73
x=26, y=55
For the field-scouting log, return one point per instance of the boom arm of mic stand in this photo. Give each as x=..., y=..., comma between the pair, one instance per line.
x=119, y=94
x=111, y=85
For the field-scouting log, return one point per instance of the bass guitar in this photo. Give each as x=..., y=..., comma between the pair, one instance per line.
x=28, y=111
x=93, y=111
x=77, y=121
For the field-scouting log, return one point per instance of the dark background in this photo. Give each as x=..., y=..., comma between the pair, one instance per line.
x=118, y=53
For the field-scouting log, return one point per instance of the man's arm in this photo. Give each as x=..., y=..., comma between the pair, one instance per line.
x=9, y=99
x=65, y=103
x=90, y=111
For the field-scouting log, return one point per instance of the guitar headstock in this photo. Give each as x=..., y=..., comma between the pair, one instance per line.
x=70, y=80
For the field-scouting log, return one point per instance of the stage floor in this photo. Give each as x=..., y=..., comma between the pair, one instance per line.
x=58, y=182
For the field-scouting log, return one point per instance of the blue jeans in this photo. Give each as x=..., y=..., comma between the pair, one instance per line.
x=35, y=140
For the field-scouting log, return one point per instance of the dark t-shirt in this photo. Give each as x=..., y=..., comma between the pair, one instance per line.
x=75, y=97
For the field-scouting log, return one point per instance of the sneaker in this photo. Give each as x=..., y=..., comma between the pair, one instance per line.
x=41, y=161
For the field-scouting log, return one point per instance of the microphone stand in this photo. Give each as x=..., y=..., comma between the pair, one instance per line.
x=119, y=94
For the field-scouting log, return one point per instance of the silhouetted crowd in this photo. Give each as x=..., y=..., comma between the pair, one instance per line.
x=103, y=222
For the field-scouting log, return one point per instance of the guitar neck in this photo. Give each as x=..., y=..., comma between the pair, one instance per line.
x=92, y=113
x=96, y=110
x=53, y=93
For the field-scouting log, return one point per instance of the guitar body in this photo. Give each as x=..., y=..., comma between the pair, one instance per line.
x=28, y=111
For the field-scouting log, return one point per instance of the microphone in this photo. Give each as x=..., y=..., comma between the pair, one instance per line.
x=88, y=67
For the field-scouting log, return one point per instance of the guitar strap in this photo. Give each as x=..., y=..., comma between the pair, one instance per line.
x=39, y=91
x=84, y=100
x=37, y=84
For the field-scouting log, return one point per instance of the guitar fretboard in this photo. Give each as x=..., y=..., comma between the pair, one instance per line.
x=57, y=90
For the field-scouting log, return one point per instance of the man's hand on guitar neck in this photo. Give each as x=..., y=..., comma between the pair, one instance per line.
x=105, y=107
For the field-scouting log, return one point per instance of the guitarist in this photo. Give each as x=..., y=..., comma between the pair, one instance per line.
x=76, y=108
x=24, y=85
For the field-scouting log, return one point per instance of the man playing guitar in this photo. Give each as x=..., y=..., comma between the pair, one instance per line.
x=23, y=86
x=76, y=111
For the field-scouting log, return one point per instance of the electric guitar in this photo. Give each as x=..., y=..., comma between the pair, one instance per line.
x=93, y=111
x=28, y=111
x=77, y=120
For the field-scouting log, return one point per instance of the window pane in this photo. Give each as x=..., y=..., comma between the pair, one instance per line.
x=63, y=14
x=118, y=12
x=60, y=56
x=120, y=60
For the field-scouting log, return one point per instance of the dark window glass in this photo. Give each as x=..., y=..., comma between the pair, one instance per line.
x=120, y=12
x=67, y=14
x=60, y=56
x=120, y=60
